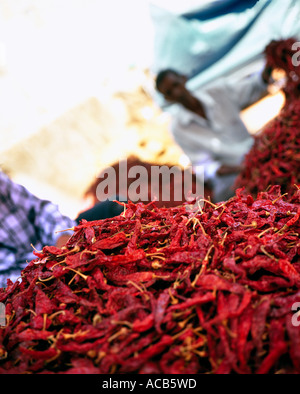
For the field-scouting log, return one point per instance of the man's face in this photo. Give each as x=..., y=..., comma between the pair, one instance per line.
x=173, y=89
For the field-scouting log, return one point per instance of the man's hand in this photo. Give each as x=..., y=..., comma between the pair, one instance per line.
x=62, y=240
x=267, y=74
x=229, y=170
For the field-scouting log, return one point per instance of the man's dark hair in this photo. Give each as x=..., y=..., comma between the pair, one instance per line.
x=162, y=75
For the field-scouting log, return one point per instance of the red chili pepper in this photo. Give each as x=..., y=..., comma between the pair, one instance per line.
x=274, y=158
x=163, y=290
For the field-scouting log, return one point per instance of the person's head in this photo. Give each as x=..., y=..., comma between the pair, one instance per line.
x=171, y=85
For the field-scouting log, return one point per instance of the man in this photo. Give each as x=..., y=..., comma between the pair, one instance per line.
x=206, y=124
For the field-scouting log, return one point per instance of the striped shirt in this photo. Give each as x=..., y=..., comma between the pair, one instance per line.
x=25, y=222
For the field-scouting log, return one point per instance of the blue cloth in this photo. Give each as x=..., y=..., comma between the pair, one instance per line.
x=219, y=8
x=214, y=40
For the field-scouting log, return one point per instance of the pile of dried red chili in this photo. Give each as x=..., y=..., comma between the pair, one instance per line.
x=275, y=156
x=283, y=54
x=163, y=290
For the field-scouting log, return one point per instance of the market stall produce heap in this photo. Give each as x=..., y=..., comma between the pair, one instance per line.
x=275, y=156
x=163, y=290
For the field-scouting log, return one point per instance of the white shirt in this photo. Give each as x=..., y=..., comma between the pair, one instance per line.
x=222, y=138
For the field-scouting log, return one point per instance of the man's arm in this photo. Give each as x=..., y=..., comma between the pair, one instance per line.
x=228, y=170
x=62, y=240
x=251, y=89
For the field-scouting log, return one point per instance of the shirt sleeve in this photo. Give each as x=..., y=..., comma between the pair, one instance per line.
x=43, y=215
x=50, y=223
x=246, y=91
